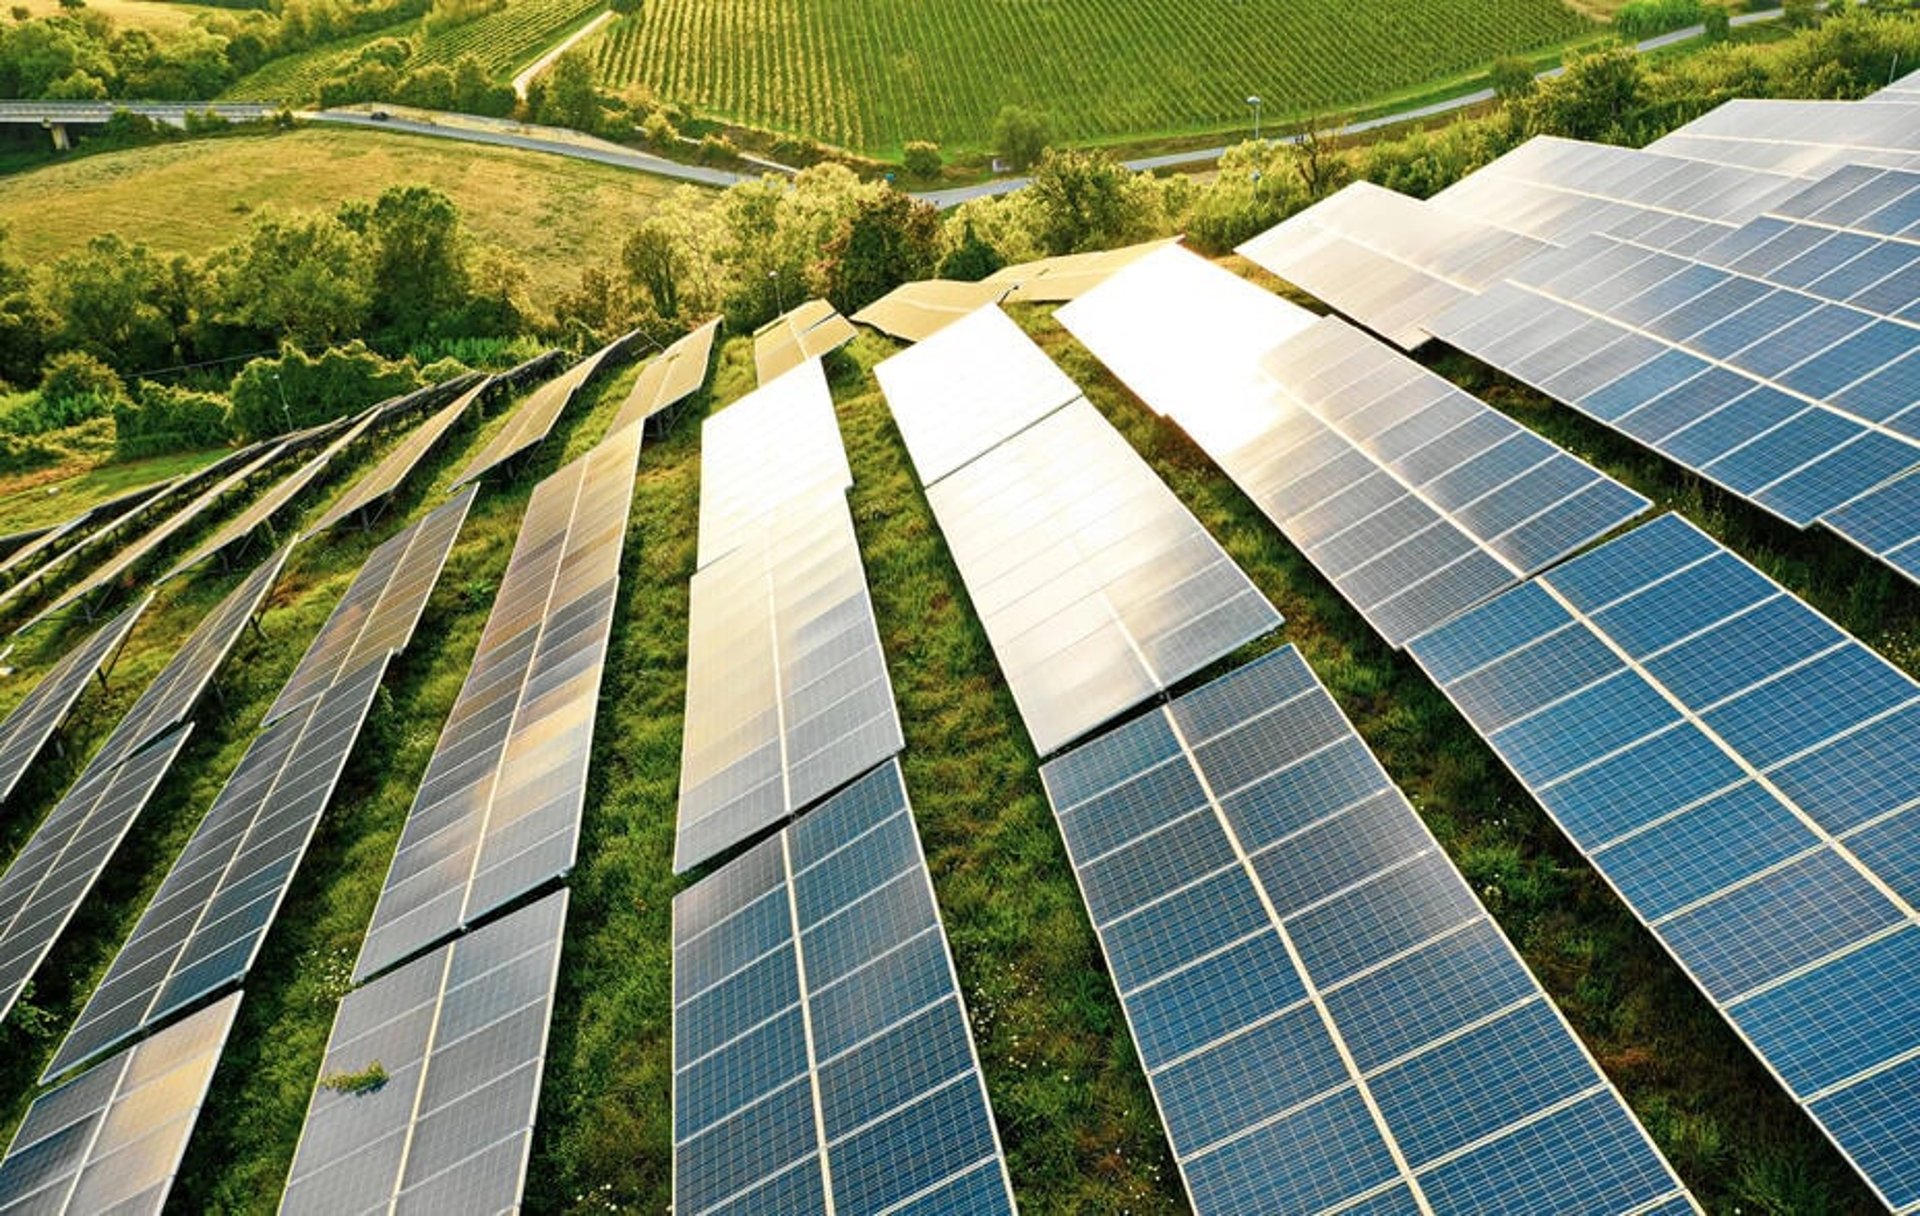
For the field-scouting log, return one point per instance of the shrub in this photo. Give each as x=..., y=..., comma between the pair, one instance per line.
x=273, y=396
x=1648, y=18
x=1021, y=135
x=168, y=419
x=73, y=375
x=367, y=1080
x=921, y=158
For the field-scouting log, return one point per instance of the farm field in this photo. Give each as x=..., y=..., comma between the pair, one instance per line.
x=504, y=41
x=872, y=74
x=554, y=212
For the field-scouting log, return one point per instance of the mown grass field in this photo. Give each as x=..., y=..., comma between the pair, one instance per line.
x=162, y=17
x=504, y=41
x=50, y=496
x=872, y=74
x=1073, y=1107
x=554, y=213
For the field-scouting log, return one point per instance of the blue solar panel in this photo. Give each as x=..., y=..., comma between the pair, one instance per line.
x=841, y=1059
x=1327, y=1016
x=1742, y=771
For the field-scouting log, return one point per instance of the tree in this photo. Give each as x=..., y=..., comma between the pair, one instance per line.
x=972, y=259
x=571, y=98
x=419, y=260
x=476, y=92
x=626, y=8
x=921, y=158
x=654, y=263
x=1084, y=200
x=1021, y=135
x=308, y=279
x=112, y=300
x=72, y=6
x=1593, y=100
x=1317, y=162
x=1719, y=23
x=1511, y=78
x=1801, y=13
x=890, y=239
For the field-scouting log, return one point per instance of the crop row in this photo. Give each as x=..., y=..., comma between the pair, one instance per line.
x=871, y=74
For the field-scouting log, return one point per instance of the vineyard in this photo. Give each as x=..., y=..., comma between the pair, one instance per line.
x=871, y=74
x=503, y=41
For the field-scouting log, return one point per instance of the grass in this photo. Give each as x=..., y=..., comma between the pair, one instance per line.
x=54, y=495
x=161, y=17
x=504, y=41
x=553, y=212
x=871, y=74
x=1073, y=1107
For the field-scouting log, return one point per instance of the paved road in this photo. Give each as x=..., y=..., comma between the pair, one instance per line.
x=504, y=133
x=1206, y=156
x=566, y=44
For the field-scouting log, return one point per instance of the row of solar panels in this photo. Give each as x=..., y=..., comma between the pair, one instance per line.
x=1742, y=296
x=205, y=925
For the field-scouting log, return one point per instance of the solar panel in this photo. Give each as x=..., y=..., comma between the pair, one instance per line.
x=111, y=572
x=269, y=504
x=533, y=421
x=787, y=691
x=111, y=1139
x=203, y=929
x=1386, y=260
x=1905, y=90
x=29, y=546
x=977, y=382
x=44, y=885
x=1058, y=280
x=1742, y=772
x=914, y=312
x=32, y=722
x=377, y=614
x=498, y=812
x=810, y=331
x=673, y=376
x=1806, y=139
x=1415, y=499
x=387, y=476
x=778, y=442
x=1329, y=1019
x=1096, y=586
x=1881, y=523
x=461, y=1035
x=822, y=1059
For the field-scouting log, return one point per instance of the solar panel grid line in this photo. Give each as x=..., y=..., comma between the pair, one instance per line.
x=27, y=729
x=118, y=1161
x=392, y=471
x=1072, y=792
x=1885, y=1167
x=531, y=423
x=674, y=375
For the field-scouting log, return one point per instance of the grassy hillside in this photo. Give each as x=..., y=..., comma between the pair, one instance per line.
x=556, y=214
x=162, y=17
x=870, y=74
x=504, y=41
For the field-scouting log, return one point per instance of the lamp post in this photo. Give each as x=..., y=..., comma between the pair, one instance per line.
x=1253, y=103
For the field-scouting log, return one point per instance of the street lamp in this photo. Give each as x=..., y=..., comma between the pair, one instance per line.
x=1253, y=103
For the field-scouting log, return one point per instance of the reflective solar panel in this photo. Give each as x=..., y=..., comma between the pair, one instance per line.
x=674, y=375
x=1905, y=90
x=914, y=312
x=1057, y=280
x=1326, y=1014
x=1806, y=139
x=977, y=382
x=533, y=421
x=377, y=614
x=204, y=926
x=33, y=721
x=788, y=697
x=1414, y=498
x=822, y=1059
x=111, y=1139
x=1388, y=261
x=1096, y=586
x=1742, y=772
x=111, y=572
x=387, y=476
x=810, y=331
x=461, y=1035
x=283, y=492
x=778, y=442
x=498, y=812
x=30, y=547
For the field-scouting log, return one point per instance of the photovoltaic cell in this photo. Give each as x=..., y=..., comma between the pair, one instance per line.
x=1096, y=586
x=462, y=1035
x=776, y=443
x=394, y=468
x=1805, y=139
x=1327, y=1017
x=787, y=690
x=1058, y=280
x=914, y=312
x=1736, y=767
x=498, y=812
x=673, y=376
x=980, y=381
x=821, y=1045
x=33, y=721
x=112, y=1138
x=808, y=332
x=533, y=421
x=204, y=926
